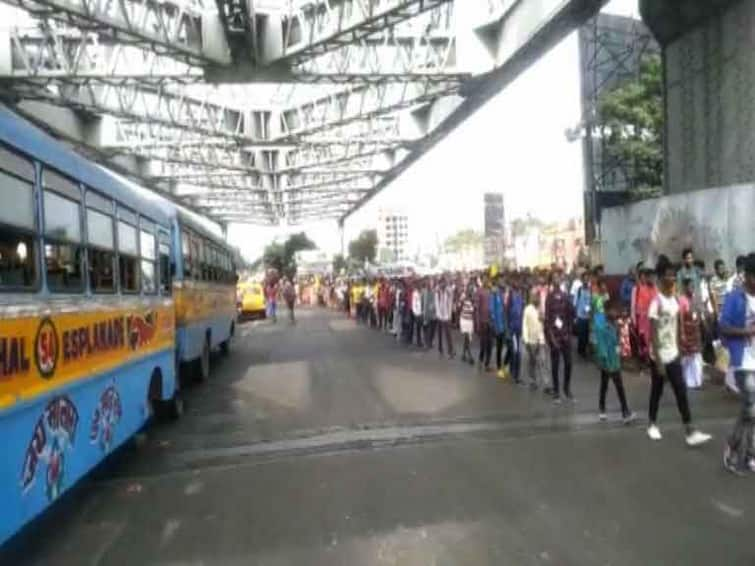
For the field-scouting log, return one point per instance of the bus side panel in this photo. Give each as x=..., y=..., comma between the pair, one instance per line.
x=202, y=307
x=50, y=442
x=190, y=337
x=221, y=330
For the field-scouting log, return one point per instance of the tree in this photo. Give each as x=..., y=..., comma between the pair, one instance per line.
x=463, y=240
x=364, y=247
x=630, y=122
x=387, y=255
x=339, y=263
x=282, y=256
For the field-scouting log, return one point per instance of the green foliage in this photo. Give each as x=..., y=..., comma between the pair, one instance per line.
x=462, y=240
x=339, y=264
x=630, y=119
x=364, y=247
x=387, y=256
x=519, y=226
x=281, y=256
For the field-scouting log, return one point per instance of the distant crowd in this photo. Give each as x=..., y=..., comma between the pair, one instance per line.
x=671, y=318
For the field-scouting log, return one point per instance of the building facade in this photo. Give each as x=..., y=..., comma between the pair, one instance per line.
x=393, y=235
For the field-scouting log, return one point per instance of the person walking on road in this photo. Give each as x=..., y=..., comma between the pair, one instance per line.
x=429, y=311
x=271, y=297
x=738, y=331
x=466, y=325
x=482, y=323
x=289, y=295
x=665, y=354
x=644, y=293
x=444, y=299
x=559, y=316
x=498, y=324
x=690, y=337
x=534, y=341
x=384, y=300
x=583, y=306
x=609, y=361
x=514, y=318
x=416, y=320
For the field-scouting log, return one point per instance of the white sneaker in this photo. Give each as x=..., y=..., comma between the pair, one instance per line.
x=696, y=438
x=603, y=417
x=654, y=432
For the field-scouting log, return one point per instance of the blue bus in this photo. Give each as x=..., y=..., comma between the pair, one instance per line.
x=106, y=290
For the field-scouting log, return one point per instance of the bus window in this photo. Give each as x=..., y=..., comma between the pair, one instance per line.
x=186, y=249
x=213, y=261
x=166, y=278
x=149, y=271
x=202, y=270
x=128, y=253
x=101, y=251
x=62, y=241
x=196, y=258
x=18, y=258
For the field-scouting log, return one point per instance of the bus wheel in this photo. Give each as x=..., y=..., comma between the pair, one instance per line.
x=203, y=363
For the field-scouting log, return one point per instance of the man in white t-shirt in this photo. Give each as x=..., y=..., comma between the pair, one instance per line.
x=666, y=362
x=737, y=327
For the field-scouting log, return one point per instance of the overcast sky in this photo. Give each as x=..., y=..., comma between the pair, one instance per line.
x=515, y=144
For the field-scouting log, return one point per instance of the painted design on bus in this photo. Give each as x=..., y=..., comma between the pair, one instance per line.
x=53, y=436
x=46, y=348
x=141, y=329
x=106, y=417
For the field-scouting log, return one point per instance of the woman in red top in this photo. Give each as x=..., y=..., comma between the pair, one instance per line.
x=642, y=295
x=690, y=336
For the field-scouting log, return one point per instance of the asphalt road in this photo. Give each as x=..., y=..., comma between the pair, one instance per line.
x=326, y=443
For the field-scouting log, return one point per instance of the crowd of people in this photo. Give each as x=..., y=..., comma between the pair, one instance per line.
x=671, y=318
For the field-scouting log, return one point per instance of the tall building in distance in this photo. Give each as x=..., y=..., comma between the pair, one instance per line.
x=393, y=235
x=494, y=228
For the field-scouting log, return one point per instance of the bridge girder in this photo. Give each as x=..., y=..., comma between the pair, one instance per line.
x=362, y=88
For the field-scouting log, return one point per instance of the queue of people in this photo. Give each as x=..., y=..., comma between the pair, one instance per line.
x=673, y=320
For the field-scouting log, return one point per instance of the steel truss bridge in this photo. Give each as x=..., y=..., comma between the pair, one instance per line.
x=267, y=111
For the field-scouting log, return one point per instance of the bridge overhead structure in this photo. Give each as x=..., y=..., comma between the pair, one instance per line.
x=265, y=111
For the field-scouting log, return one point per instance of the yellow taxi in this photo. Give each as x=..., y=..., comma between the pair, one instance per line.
x=251, y=299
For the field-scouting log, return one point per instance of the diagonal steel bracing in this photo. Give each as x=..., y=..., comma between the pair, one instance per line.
x=359, y=104
x=50, y=51
x=314, y=28
x=156, y=105
x=166, y=27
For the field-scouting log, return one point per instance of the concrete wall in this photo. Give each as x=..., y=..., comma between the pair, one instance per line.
x=710, y=102
x=717, y=223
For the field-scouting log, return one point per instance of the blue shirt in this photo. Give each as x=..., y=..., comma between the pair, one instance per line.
x=625, y=292
x=734, y=314
x=516, y=311
x=582, y=303
x=497, y=311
